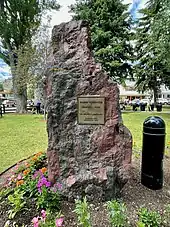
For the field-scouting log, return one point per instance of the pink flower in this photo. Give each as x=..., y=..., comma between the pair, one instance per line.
x=19, y=177
x=59, y=186
x=35, y=221
x=43, y=213
x=59, y=222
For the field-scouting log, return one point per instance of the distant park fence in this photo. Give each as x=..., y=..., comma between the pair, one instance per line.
x=6, y=110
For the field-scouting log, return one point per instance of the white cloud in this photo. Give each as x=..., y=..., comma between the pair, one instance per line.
x=62, y=15
x=4, y=70
x=142, y=3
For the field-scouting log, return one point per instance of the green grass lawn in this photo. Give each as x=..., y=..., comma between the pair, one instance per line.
x=134, y=121
x=20, y=137
x=24, y=135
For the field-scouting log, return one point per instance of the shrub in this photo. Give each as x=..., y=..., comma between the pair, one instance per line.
x=148, y=218
x=117, y=213
x=83, y=213
x=17, y=202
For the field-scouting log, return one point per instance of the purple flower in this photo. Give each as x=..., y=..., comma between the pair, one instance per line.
x=37, y=174
x=43, y=182
x=48, y=184
x=39, y=190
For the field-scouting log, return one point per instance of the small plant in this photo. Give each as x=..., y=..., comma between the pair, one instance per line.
x=48, y=219
x=5, y=192
x=16, y=200
x=149, y=218
x=83, y=213
x=47, y=197
x=117, y=213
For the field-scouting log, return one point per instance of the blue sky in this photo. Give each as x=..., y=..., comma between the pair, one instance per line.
x=64, y=16
x=136, y=6
x=4, y=70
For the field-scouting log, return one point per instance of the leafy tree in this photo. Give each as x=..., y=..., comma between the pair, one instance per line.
x=110, y=25
x=32, y=63
x=161, y=31
x=19, y=20
x=151, y=71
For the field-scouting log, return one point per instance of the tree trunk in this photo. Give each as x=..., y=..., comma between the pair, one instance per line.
x=20, y=94
x=155, y=95
x=21, y=101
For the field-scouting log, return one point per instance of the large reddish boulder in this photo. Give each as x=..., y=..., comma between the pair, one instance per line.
x=91, y=160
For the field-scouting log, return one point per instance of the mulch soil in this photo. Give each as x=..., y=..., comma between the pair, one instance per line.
x=134, y=195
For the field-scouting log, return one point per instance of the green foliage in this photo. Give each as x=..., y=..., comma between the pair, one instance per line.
x=140, y=224
x=117, y=213
x=50, y=220
x=26, y=61
x=151, y=69
x=149, y=218
x=19, y=22
x=17, y=201
x=83, y=213
x=19, y=19
x=48, y=199
x=110, y=25
x=161, y=29
x=4, y=192
x=29, y=187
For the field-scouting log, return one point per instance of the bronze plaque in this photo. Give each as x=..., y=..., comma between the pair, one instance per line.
x=91, y=110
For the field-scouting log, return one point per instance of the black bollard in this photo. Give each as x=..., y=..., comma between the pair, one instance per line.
x=153, y=153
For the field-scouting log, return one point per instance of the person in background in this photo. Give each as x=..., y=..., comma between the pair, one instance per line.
x=138, y=102
x=149, y=105
x=38, y=106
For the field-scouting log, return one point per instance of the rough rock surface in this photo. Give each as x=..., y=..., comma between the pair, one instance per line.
x=91, y=160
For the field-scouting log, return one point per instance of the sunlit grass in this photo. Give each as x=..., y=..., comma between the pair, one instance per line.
x=20, y=137
x=134, y=121
x=24, y=135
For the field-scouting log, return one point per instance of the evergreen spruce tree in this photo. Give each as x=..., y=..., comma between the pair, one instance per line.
x=110, y=24
x=150, y=71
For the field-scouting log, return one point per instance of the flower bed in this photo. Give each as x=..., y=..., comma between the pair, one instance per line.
x=29, y=200
x=29, y=183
